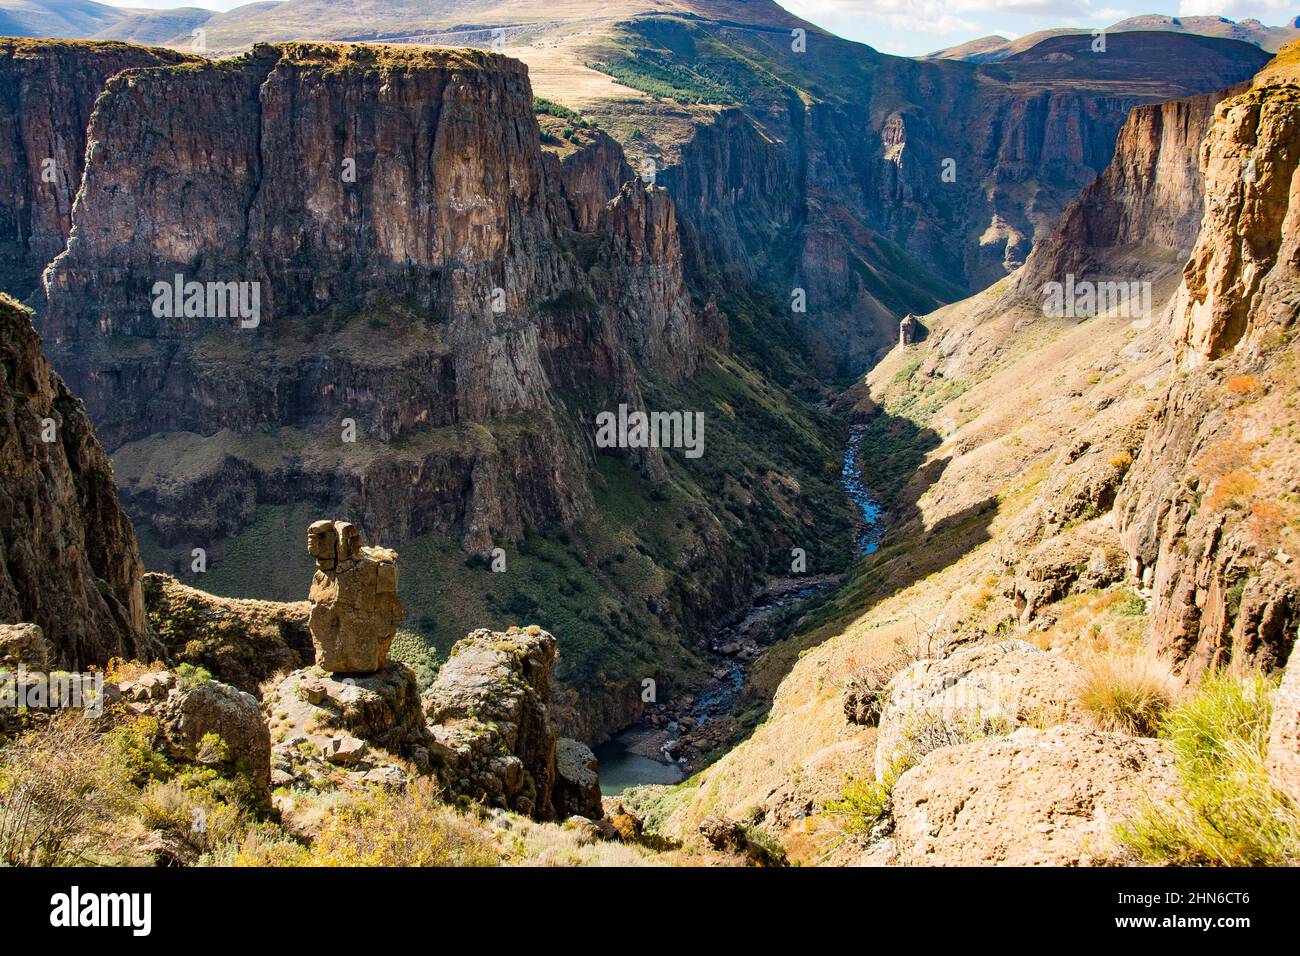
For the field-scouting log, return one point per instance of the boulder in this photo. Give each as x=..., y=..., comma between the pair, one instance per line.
x=1035, y=797
x=354, y=606
x=362, y=722
x=488, y=714
x=25, y=645
x=980, y=690
x=219, y=726
x=577, y=781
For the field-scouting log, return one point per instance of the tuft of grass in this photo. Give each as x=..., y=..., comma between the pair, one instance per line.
x=1229, y=812
x=1128, y=692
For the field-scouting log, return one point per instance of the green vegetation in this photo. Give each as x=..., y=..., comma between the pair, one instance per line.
x=1228, y=813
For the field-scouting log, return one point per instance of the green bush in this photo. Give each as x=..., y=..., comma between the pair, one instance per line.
x=1228, y=813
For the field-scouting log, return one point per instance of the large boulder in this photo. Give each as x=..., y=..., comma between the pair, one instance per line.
x=210, y=723
x=577, y=781
x=1035, y=797
x=354, y=606
x=488, y=713
x=981, y=690
x=24, y=645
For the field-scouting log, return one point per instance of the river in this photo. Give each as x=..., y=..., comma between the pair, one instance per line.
x=644, y=754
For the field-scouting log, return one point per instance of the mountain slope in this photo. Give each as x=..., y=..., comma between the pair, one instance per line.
x=1106, y=483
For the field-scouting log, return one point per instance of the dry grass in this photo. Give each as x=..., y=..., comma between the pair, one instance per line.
x=1128, y=691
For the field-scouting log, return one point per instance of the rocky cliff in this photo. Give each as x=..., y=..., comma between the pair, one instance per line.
x=1206, y=512
x=47, y=92
x=441, y=223
x=68, y=559
x=930, y=181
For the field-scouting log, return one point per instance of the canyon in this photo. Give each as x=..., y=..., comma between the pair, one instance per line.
x=464, y=261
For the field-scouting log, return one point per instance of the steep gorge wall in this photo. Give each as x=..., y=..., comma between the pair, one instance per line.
x=1208, y=511
x=440, y=286
x=68, y=559
x=47, y=92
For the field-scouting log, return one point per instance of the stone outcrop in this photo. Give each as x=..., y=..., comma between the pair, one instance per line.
x=1034, y=798
x=208, y=723
x=329, y=731
x=910, y=330
x=354, y=606
x=68, y=558
x=577, y=781
x=48, y=89
x=240, y=642
x=488, y=714
x=982, y=690
x=24, y=645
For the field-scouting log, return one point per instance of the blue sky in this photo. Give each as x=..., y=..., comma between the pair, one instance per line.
x=913, y=27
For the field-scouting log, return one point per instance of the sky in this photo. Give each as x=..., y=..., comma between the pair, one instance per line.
x=914, y=27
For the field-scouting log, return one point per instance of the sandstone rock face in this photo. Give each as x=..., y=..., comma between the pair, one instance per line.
x=577, y=781
x=487, y=712
x=1284, y=731
x=68, y=558
x=1151, y=195
x=354, y=606
x=47, y=92
x=1034, y=798
x=1199, y=512
x=1249, y=162
x=981, y=690
x=240, y=642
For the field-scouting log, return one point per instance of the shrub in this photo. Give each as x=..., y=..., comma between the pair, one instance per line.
x=62, y=791
x=1229, y=813
x=1242, y=384
x=865, y=802
x=386, y=828
x=1128, y=692
x=190, y=676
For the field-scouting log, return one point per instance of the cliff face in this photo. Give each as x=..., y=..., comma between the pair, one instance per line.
x=444, y=224
x=47, y=92
x=68, y=558
x=1148, y=202
x=931, y=181
x=1207, y=512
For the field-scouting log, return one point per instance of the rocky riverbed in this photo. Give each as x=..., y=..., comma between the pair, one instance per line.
x=664, y=746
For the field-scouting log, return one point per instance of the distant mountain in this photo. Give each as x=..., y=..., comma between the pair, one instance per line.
x=72, y=19
x=155, y=26
x=993, y=48
x=85, y=19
